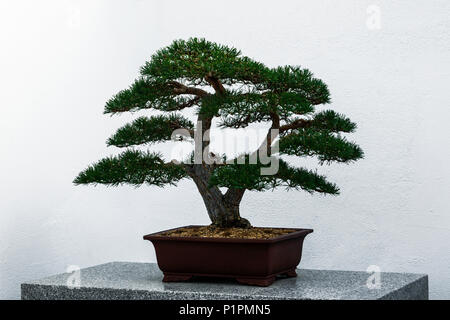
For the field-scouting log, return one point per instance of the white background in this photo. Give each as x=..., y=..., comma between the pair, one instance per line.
x=61, y=60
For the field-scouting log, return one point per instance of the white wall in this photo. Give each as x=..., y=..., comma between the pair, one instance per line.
x=61, y=60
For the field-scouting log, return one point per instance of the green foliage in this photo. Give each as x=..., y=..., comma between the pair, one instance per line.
x=196, y=58
x=132, y=167
x=248, y=176
x=145, y=94
x=241, y=176
x=292, y=89
x=298, y=80
x=307, y=180
x=322, y=143
x=149, y=130
x=175, y=78
x=333, y=121
x=237, y=109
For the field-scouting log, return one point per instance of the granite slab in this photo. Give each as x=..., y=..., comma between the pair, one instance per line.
x=142, y=281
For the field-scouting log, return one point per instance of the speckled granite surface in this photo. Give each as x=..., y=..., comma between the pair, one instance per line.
x=138, y=281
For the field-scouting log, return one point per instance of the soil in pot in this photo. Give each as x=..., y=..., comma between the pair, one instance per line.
x=234, y=233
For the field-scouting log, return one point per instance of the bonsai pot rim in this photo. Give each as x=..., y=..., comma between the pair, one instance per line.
x=295, y=234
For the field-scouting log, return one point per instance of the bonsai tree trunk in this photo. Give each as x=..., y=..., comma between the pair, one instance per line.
x=223, y=209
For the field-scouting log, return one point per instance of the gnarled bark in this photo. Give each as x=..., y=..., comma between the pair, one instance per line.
x=223, y=210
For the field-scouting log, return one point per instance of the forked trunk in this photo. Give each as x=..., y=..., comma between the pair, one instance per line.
x=223, y=210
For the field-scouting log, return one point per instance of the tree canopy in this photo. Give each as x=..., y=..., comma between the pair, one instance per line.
x=222, y=83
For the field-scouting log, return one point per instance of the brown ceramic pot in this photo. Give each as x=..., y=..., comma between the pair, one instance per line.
x=249, y=261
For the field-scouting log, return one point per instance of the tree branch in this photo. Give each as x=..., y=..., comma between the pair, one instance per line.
x=215, y=83
x=180, y=88
x=234, y=196
x=205, y=119
x=268, y=141
x=187, y=104
x=299, y=123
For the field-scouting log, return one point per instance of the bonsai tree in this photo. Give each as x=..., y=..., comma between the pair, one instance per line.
x=222, y=83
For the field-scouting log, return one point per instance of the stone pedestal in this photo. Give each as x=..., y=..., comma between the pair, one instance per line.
x=142, y=281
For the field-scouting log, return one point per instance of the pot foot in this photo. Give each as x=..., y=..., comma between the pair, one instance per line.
x=263, y=282
x=291, y=273
x=175, y=278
